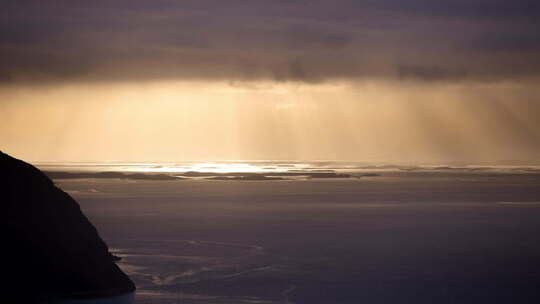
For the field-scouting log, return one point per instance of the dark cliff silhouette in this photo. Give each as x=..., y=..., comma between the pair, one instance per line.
x=49, y=248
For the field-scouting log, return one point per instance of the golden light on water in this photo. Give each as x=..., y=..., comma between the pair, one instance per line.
x=231, y=168
x=203, y=167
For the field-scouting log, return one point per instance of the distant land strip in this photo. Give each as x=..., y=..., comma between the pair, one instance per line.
x=192, y=174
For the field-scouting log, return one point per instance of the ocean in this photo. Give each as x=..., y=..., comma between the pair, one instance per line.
x=316, y=232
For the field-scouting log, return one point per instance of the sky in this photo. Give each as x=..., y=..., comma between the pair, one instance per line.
x=386, y=80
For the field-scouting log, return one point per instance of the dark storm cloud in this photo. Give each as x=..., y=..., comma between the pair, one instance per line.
x=283, y=40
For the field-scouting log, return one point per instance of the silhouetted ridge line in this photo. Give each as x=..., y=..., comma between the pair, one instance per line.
x=50, y=249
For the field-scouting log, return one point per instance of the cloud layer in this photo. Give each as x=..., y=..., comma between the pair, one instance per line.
x=308, y=41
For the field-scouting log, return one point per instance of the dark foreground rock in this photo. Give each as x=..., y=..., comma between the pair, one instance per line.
x=49, y=248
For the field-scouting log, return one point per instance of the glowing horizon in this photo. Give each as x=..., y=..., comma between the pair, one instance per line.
x=213, y=121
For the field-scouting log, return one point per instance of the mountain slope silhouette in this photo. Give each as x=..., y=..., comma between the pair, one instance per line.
x=49, y=248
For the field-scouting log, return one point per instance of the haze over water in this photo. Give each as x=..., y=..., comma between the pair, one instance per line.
x=277, y=166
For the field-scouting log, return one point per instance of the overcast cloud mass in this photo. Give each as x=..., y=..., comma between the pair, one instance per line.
x=282, y=40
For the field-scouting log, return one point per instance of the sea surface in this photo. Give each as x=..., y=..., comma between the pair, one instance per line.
x=316, y=232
